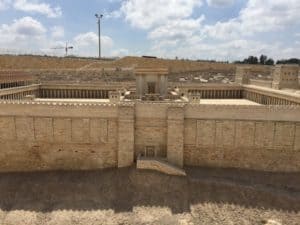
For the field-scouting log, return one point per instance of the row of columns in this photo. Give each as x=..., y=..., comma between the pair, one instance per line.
x=14, y=84
x=218, y=94
x=74, y=93
x=266, y=100
x=19, y=95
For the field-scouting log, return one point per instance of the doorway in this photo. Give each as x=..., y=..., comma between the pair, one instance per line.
x=150, y=151
x=151, y=87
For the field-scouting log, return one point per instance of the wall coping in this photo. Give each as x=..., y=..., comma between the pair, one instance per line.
x=228, y=106
x=80, y=104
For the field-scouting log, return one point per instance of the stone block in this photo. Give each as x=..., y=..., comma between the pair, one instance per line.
x=62, y=128
x=160, y=166
x=284, y=134
x=190, y=131
x=112, y=132
x=7, y=128
x=264, y=134
x=225, y=133
x=206, y=132
x=99, y=130
x=297, y=138
x=25, y=128
x=81, y=130
x=43, y=129
x=245, y=132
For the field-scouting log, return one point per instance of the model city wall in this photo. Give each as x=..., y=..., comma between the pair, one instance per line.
x=38, y=136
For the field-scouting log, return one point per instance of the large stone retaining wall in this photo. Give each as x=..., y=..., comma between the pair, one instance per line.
x=52, y=137
x=256, y=137
x=259, y=145
x=77, y=136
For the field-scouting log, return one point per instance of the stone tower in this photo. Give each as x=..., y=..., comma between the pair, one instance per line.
x=286, y=76
x=242, y=75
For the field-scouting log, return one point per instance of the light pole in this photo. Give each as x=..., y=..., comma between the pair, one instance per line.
x=99, y=32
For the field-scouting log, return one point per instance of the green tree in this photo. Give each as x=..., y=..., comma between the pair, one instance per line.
x=263, y=59
x=251, y=60
x=269, y=62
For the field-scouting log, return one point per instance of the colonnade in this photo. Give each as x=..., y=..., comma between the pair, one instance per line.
x=19, y=95
x=266, y=100
x=239, y=94
x=14, y=84
x=74, y=93
x=218, y=94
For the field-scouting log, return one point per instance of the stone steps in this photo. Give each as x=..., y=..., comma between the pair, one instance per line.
x=160, y=165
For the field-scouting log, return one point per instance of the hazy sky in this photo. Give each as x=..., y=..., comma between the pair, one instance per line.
x=196, y=29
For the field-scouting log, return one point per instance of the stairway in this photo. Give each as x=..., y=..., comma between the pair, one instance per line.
x=160, y=165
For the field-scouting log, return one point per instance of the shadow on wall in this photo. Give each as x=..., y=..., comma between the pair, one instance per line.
x=123, y=189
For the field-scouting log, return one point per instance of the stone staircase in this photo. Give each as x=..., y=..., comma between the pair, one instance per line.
x=160, y=165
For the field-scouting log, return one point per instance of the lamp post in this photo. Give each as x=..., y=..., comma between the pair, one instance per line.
x=99, y=16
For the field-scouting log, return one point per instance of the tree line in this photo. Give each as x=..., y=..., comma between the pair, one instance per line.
x=264, y=60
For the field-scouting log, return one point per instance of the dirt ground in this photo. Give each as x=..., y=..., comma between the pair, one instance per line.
x=128, y=196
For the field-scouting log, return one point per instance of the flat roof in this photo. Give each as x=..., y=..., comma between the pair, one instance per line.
x=288, y=92
x=227, y=102
x=202, y=101
x=79, y=100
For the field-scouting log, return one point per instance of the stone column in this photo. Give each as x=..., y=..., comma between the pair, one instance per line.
x=126, y=135
x=175, y=136
x=163, y=85
x=140, y=86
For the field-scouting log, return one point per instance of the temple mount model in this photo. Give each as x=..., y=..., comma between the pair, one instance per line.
x=154, y=123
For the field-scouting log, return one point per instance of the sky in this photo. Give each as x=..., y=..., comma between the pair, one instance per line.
x=223, y=30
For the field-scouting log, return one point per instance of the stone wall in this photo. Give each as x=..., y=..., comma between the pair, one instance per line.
x=151, y=128
x=243, y=139
x=77, y=136
x=43, y=140
x=259, y=145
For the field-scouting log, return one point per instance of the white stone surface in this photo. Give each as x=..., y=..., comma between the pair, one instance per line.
x=159, y=165
x=227, y=102
x=71, y=100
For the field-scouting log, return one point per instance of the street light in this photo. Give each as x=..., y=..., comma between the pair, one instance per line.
x=99, y=32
